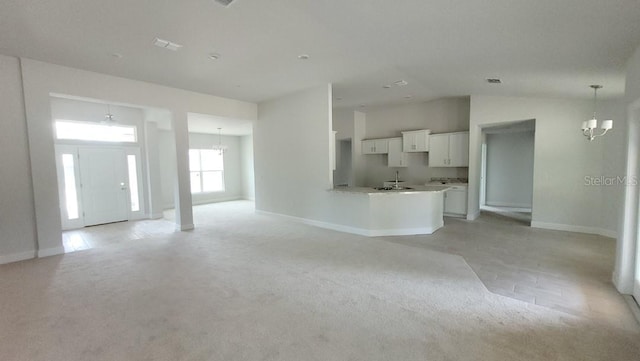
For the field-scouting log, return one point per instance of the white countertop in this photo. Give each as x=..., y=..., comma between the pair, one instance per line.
x=437, y=183
x=371, y=190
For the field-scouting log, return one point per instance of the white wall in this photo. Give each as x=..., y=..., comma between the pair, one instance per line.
x=510, y=169
x=563, y=157
x=343, y=123
x=248, y=177
x=39, y=82
x=232, y=167
x=626, y=252
x=292, y=165
x=17, y=214
x=613, y=164
x=440, y=116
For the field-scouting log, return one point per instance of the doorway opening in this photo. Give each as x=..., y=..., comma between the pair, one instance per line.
x=507, y=170
x=220, y=160
x=98, y=184
x=343, y=174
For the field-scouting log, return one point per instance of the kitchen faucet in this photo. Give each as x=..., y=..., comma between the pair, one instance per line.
x=396, y=186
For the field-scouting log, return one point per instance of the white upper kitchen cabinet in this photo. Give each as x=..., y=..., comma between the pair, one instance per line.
x=375, y=146
x=415, y=141
x=449, y=150
x=396, y=158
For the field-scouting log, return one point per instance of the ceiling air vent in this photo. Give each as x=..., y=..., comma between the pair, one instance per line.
x=224, y=2
x=494, y=81
x=166, y=44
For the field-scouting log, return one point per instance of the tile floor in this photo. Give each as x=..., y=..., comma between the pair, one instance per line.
x=522, y=214
x=568, y=272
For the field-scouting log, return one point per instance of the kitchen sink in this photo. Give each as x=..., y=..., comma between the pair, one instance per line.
x=391, y=188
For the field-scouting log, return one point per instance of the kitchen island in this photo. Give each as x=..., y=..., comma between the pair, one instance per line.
x=375, y=212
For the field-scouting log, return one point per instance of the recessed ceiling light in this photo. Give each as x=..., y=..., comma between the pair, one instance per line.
x=401, y=83
x=214, y=56
x=117, y=55
x=361, y=105
x=166, y=44
x=494, y=81
x=303, y=56
x=408, y=97
x=386, y=86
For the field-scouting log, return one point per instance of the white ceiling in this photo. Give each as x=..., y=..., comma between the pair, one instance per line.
x=441, y=47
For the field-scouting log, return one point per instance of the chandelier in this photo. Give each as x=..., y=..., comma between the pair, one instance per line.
x=109, y=118
x=219, y=147
x=589, y=127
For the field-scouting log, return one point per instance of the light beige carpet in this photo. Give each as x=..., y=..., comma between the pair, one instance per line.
x=250, y=287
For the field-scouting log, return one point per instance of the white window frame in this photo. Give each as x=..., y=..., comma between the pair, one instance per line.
x=66, y=140
x=201, y=171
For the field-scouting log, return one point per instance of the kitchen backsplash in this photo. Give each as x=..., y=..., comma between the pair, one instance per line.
x=418, y=172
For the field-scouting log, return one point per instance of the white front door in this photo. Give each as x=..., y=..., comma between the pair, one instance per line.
x=103, y=180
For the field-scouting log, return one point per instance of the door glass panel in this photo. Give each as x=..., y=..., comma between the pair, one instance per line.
x=133, y=183
x=70, y=191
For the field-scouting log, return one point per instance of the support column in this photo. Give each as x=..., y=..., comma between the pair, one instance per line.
x=626, y=252
x=183, y=205
x=43, y=164
x=154, y=186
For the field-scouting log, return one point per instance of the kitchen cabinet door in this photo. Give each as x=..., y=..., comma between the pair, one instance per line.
x=396, y=158
x=382, y=146
x=439, y=150
x=455, y=202
x=458, y=150
x=415, y=141
x=375, y=146
x=368, y=147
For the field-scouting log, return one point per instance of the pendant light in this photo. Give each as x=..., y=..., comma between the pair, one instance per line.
x=109, y=118
x=589, y=126
x=219, y=147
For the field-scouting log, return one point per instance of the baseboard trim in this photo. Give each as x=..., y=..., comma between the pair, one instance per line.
x=47, y=252
x=205, y=201
x=16, y=257
x=634, y=306
x=473, y=216
x=184, y=227
x=156, y=216
x=216, y=200
x=572, y=228
x=403, y=231
x=608, y=233
x=510, y=205
x=355, y=230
